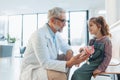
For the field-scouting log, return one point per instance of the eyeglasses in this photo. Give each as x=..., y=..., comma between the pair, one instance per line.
x=62, y=20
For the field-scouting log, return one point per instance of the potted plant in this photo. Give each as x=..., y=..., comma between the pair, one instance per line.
x=10, y=39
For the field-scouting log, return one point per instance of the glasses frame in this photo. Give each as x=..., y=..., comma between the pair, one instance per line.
x=61, y=20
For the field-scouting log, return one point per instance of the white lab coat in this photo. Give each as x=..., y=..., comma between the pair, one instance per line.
x=41, y=55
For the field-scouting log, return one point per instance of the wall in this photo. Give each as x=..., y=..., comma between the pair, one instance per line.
x=118, y=9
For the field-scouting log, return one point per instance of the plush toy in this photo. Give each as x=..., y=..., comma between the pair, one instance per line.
x=87, y=50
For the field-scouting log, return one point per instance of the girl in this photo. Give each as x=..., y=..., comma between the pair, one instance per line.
x=98, y=61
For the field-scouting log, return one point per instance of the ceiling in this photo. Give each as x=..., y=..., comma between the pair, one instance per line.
x=10, y=7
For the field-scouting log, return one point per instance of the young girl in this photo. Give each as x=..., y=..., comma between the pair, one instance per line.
x=100, y=59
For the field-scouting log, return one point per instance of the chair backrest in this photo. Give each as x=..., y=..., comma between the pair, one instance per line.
x=22, y=49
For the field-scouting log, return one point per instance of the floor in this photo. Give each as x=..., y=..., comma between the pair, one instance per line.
x=10, y=68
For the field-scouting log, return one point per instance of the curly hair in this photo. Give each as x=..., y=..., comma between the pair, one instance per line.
x=100, y=22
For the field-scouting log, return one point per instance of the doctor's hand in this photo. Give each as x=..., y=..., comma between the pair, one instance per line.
x=69, y=55
x=76, y=60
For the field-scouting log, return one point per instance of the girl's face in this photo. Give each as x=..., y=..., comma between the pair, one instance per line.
x=93, y=29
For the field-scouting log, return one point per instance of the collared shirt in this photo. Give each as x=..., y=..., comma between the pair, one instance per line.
x=53, y=36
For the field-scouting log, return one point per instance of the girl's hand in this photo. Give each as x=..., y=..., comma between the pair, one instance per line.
x=96, y=72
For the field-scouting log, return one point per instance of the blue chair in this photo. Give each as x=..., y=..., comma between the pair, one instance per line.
x=22, y=50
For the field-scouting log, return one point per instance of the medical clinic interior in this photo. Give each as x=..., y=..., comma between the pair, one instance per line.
x=20, y=18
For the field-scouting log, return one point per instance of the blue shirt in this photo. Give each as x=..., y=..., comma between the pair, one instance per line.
x=53, y=35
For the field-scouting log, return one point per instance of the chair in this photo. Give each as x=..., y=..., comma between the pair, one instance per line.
x=22, y=50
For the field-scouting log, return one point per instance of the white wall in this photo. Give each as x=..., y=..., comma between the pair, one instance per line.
x=112, y=11
x=118, y=8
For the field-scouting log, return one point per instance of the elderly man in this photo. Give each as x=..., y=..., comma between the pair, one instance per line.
x=42, y=60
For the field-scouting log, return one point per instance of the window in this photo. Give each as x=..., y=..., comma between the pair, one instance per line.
x=29, y=26
x=3, y=27
x=75, y=31
x=42, y=19
x=78, y=28
x=15, y=23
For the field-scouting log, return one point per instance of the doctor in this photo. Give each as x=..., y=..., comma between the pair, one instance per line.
x=42, y=60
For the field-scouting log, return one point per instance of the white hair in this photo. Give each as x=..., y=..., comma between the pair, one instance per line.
x=55, y=12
